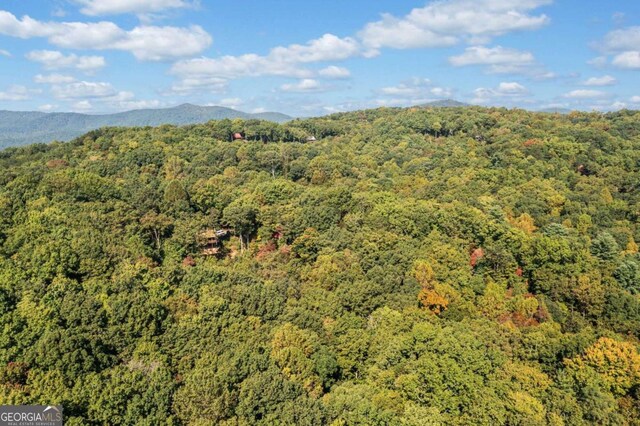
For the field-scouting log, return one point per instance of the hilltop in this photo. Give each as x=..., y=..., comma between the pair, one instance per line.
x=444, y=266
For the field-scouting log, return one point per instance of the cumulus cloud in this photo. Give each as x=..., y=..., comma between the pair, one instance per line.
x=146, y=42
x=230, y=67
x=336, y=72
x=16, y=93
x=505, y=90
x=230, y=102
x=502, y=60
x=412, y=92
x=446, y=23
x=136, y=104
x=53, y=79
x=493, y=56
x=47, y=107
x=303, y=86
x=624, y=44
x=5, y=53
x=52, y=60
x=283, y=61
x=326, y=48
x=598, y=61
x=114, y=7
x=630, y=60
x=635, y=99
x=605, y=80
x=82, y=106
x=86, y=96
x=199, y=83
x=83, y=89
x=440, y=23
x=585, y=94
x=603, y=105
x=621, y=40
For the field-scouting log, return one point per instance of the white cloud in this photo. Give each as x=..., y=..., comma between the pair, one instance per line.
x=625, y=45
x=83, y=89
x=149, y=43
x=16, y=93
x=445, y=23
x=412, y=92
x=231, y=102
x=605, y=80
x=630, y=59
x=133, y=104
x=336, y=72
x=494, y=56
x=511, y=89
x=441, y=92
x=621, y=40
x=505, y=90
x=82, y=106
x=283, y=61
x=199, y=83
x=604, y=105
x=585, y=94
x=303, y=86
x=635, y=99
x=230, y=67
x=47, y=107
x=598, y=61
x=88, y=96
x=440, y=23
x=52, y=60
x=114, y=7
x=163, y=43
x=398, y=102
x=502, y=60
x=5, y=53
x=414, y=87
x=53, y=79
x=618, y=105
x=326, y=48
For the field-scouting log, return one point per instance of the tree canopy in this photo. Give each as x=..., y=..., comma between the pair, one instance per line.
x=417, y=266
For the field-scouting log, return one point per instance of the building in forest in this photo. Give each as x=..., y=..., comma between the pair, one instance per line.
x=210, y=241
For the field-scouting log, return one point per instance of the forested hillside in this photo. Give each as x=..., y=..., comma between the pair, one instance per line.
x=444, y=266
x=27, y=127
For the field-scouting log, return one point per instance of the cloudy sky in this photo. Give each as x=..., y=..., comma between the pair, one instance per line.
x=315, y=57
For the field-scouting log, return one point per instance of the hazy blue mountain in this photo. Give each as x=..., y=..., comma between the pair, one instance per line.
x=556, y=110
x=20, y=128
x=445, y=103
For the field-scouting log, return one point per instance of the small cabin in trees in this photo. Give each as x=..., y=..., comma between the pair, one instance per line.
x=311, y=138
x=238, y=137
x=210, y=240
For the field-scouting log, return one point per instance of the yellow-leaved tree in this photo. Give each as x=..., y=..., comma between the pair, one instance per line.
x=616, y=363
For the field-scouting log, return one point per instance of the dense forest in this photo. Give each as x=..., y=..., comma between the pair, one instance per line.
x=424, y=266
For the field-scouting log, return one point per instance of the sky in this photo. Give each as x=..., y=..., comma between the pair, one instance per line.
x=315, y=57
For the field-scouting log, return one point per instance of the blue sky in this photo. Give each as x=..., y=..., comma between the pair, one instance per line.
x=315, y=57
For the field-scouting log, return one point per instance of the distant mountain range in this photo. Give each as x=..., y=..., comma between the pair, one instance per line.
x=21, y=128
x=556, y=110
x=445, y=103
